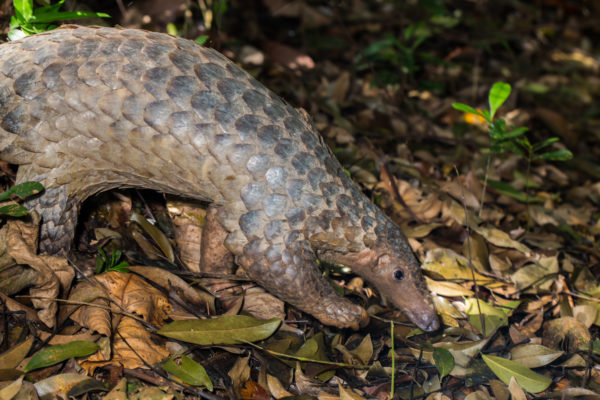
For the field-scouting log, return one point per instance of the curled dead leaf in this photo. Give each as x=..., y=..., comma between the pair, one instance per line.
x=53, y=272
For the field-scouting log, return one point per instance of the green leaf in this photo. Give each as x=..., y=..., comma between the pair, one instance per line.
x=66, y=15
x=557, y=155
x=493, y=317
x=526, y=378
x=466, y=108
x=545, y=143
x=22, y=190
x=13, y=210
x=509, y=190
x=189, y=372
x=61, y=352
x=487, y=116
x=498, y=95
x=24, y=7
x=201, y=39
x=444, y=361
x=51, y=8
x=231, y=329
x=515, y=133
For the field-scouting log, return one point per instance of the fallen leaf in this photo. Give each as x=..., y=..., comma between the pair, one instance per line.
x=526, y=378
x=534, y=355
x=565, y=332
x=233, y=329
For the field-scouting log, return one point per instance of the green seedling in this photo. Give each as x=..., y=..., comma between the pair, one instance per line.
x=29, y=21
x=514, y=140
x=106, y=264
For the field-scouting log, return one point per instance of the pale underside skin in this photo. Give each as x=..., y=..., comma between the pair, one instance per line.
x=85, y=110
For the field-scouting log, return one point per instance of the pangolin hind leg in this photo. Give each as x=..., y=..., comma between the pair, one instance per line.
x=215, y=257
x=59, y=219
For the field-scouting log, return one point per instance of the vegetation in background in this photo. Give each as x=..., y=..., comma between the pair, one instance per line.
x=29, y=20
x=20, y=192
x=105, y=263
x=504, y=139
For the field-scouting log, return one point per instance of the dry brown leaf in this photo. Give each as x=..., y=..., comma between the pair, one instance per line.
x=96, y=316
x=131, y=294
x=476, y=248
x=424, y=207
x=62, y=339
x=133, y=347
x=118, y=392
x=276, y=388
x=288, y=56
x=348, y=394
x=501, y=239
x=188, y=220
x=340, y=88
x=262, y=304
x=538, y=276
x=453, y=210
x=500, y=265
x=542, y=216
x=516, y=392
x=448, y=289
x=58, y=386
x=307, y=385
x=176, y=286
x=574, y=216
x=420, y=230
x=13, y=305
x=586, y=314
x=557, y=124
x=53, y=272
x=451, y=265
x=437, y=396
x=565, y=333
x=461, y=193
x=310, y=16
x=240, y=373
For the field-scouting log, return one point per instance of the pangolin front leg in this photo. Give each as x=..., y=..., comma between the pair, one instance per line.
x=290, y=271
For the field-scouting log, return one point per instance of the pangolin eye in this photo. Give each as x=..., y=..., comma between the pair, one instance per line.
x=398, y=274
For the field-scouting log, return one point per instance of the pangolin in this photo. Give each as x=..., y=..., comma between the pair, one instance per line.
x=88, y=109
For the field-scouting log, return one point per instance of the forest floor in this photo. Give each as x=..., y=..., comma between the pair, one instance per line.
x=504, y=221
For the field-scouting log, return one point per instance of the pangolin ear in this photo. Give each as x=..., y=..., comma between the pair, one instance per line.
x=383, y=261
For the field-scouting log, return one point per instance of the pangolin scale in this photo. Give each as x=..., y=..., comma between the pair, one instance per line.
x=84, y=110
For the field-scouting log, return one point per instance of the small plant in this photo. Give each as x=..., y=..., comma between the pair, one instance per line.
x=396, y=57
x=393, y=57
x=20, y=191
x=29, y=21
x=106, y=264
x=514, y=140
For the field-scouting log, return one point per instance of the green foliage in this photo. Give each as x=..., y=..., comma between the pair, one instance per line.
x=29, y=21
x=394, y=57
x=506, y=369
x=514, y=140
x=444, y=361
x=201, y=39
x=58, y=353
x=105, y=263
x=20, y=191
x=188, y=371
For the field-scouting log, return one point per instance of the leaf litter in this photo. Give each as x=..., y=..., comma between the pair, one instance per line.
x=513, y=269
